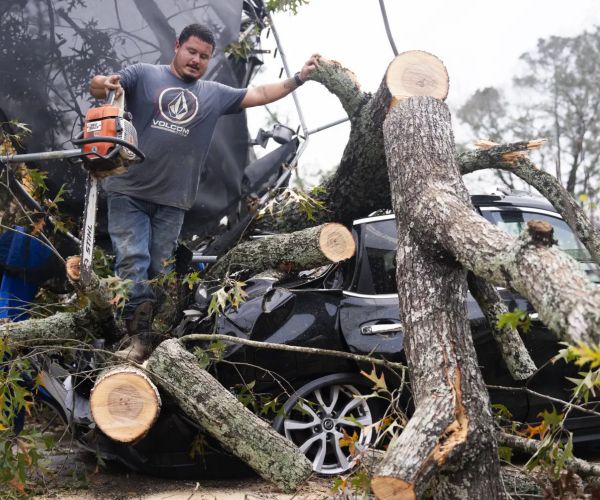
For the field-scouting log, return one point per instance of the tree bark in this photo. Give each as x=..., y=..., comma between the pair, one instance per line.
x=449, y=439
x=207, y=402
x=305, y=249
x=566, y=301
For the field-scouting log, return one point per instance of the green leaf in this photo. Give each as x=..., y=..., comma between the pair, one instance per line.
x=502, y=411
x=515, y=319
x=505, y=453
x=202, y=357
x=551, y=418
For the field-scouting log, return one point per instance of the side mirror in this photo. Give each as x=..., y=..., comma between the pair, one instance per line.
x=280, y=134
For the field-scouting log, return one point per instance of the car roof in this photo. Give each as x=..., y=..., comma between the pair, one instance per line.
x=515, y=199
x=512, y=200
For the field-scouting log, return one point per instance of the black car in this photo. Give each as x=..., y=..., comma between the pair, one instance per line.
x=353, y=306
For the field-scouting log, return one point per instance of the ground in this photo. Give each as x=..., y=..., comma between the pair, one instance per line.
x=70, y=473
x=74, y=474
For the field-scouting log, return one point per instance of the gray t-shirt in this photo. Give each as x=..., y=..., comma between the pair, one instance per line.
x=175, y=121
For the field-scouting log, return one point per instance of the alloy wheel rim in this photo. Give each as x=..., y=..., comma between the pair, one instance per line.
x=323, y=417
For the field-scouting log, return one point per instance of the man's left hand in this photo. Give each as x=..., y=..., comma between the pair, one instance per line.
x=309, y=67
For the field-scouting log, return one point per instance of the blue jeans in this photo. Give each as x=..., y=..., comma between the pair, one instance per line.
x=144, y=236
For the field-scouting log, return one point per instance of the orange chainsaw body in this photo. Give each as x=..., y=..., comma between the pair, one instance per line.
x=103, y=121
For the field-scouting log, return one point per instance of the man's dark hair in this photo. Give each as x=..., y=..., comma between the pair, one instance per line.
x=198, y=30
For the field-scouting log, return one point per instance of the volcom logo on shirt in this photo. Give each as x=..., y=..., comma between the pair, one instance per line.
x=177, y=106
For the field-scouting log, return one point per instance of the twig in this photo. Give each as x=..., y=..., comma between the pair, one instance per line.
x=292, y=348
x=532, y=446
x=544, y=396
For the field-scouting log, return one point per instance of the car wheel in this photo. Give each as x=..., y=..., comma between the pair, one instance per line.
x=324, y=411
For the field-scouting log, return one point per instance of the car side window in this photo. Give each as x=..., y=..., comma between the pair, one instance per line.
x=515, y=221
x=377, y=266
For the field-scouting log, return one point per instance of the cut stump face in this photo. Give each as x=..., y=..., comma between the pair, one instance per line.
x=125, y=404
x=417, y=73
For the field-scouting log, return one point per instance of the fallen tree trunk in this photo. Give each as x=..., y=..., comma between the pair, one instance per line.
x=207, y=402
x=305, y=249
x=449, y=439
x=441, y=215
x=360, y=183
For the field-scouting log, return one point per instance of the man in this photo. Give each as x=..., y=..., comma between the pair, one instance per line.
x=174, y=113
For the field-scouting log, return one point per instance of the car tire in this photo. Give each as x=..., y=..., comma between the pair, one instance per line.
x=325, y=410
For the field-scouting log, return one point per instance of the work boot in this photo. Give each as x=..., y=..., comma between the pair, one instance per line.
x=139, y=328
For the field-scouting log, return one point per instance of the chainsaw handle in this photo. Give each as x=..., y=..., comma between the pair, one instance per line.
x=112, y=140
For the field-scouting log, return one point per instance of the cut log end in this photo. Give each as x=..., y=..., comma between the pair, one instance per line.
x=336, y=242
x=541, y=232
x=73, y=268
x=417, y=73
x=124, y=404
x=392, y=488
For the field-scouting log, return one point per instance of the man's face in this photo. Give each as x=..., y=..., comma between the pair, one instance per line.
x=191, y=58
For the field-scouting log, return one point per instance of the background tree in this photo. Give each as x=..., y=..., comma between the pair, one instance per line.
x=556, y=97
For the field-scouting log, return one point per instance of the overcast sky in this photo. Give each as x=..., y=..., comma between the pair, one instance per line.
x=479, y=42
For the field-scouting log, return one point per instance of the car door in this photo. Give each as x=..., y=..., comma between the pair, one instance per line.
x=369, y=310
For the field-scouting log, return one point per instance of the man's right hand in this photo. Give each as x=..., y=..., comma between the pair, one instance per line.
x=101, y=85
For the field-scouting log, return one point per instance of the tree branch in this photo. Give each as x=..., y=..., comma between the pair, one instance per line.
x=513, y=350
x=359, y=358
x=506, y=157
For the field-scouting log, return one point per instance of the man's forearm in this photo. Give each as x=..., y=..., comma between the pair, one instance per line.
x=274, y=91
x=269, y=92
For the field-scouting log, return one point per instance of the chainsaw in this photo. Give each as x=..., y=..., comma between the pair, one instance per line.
x=107, y=146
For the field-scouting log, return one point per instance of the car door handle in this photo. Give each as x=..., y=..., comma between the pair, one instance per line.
x=380, y=328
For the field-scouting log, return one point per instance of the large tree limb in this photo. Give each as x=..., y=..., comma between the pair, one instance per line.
x=360, y=184
x=566, y=301
x=96, y=320
x=306, y=249
x=66, y=325
x=452, y=428
x=207, y=402
x=503, y=157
